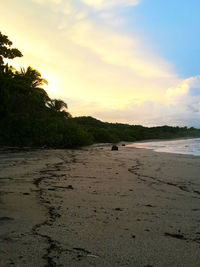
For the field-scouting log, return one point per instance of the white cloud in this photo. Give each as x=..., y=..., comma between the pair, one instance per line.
x=57, y=2
x=120, y=50
x=105, y=4
x=181, y=108
x=94, y=62
x=41, y=2
x=107, y=74
x=176, y=93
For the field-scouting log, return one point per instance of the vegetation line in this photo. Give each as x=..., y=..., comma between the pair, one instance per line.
x=29, y=117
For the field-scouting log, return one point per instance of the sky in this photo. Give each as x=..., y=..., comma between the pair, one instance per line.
x=128, y=61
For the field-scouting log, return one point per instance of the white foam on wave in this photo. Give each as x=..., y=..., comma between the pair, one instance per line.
x=183, y=146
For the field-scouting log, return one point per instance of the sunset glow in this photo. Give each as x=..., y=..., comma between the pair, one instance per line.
x=105, y=60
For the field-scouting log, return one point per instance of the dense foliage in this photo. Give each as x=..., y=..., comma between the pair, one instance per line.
x=115, y=132
x=29, y=117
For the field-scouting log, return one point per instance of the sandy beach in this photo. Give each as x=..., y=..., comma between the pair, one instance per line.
x=97, y=207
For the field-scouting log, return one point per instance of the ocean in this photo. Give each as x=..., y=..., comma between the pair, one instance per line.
x=183, y=146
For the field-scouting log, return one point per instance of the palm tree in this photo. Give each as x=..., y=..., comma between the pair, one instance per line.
x=31, y=80
x=59, y=105
x=32, y=76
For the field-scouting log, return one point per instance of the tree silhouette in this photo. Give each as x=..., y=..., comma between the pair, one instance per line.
x=5, y=49
x=32, y=77
x=31, y=80
x=59, y=105
x=29, y=117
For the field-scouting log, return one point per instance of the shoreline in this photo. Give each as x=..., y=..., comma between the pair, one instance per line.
x=165, y=147
x=160, y=140
x=26, y=148
x=97, y=207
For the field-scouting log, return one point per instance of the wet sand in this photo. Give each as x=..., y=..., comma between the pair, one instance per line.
x=97, y=207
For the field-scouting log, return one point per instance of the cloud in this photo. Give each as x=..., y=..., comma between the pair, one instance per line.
x=41, y=2
x=88, y=60
x=97, y=69
x=185, y=87
x=120, y=50
x=105, y=4
x=181, y=107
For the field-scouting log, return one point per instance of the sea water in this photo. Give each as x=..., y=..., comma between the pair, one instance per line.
x=183, y=146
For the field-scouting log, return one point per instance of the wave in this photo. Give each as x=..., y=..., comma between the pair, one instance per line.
x=183, y=146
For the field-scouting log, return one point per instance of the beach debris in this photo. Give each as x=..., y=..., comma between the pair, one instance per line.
x=119, y=209
x=123, y=145
x=85, y=253
x=70, y=187
x=149, y=205
x=179, y=236
x=6, y=219
x=114, y=147
x=82, y=250
x=93, y=256
x=184, y=188
x=38, y=180
x=197, y=192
